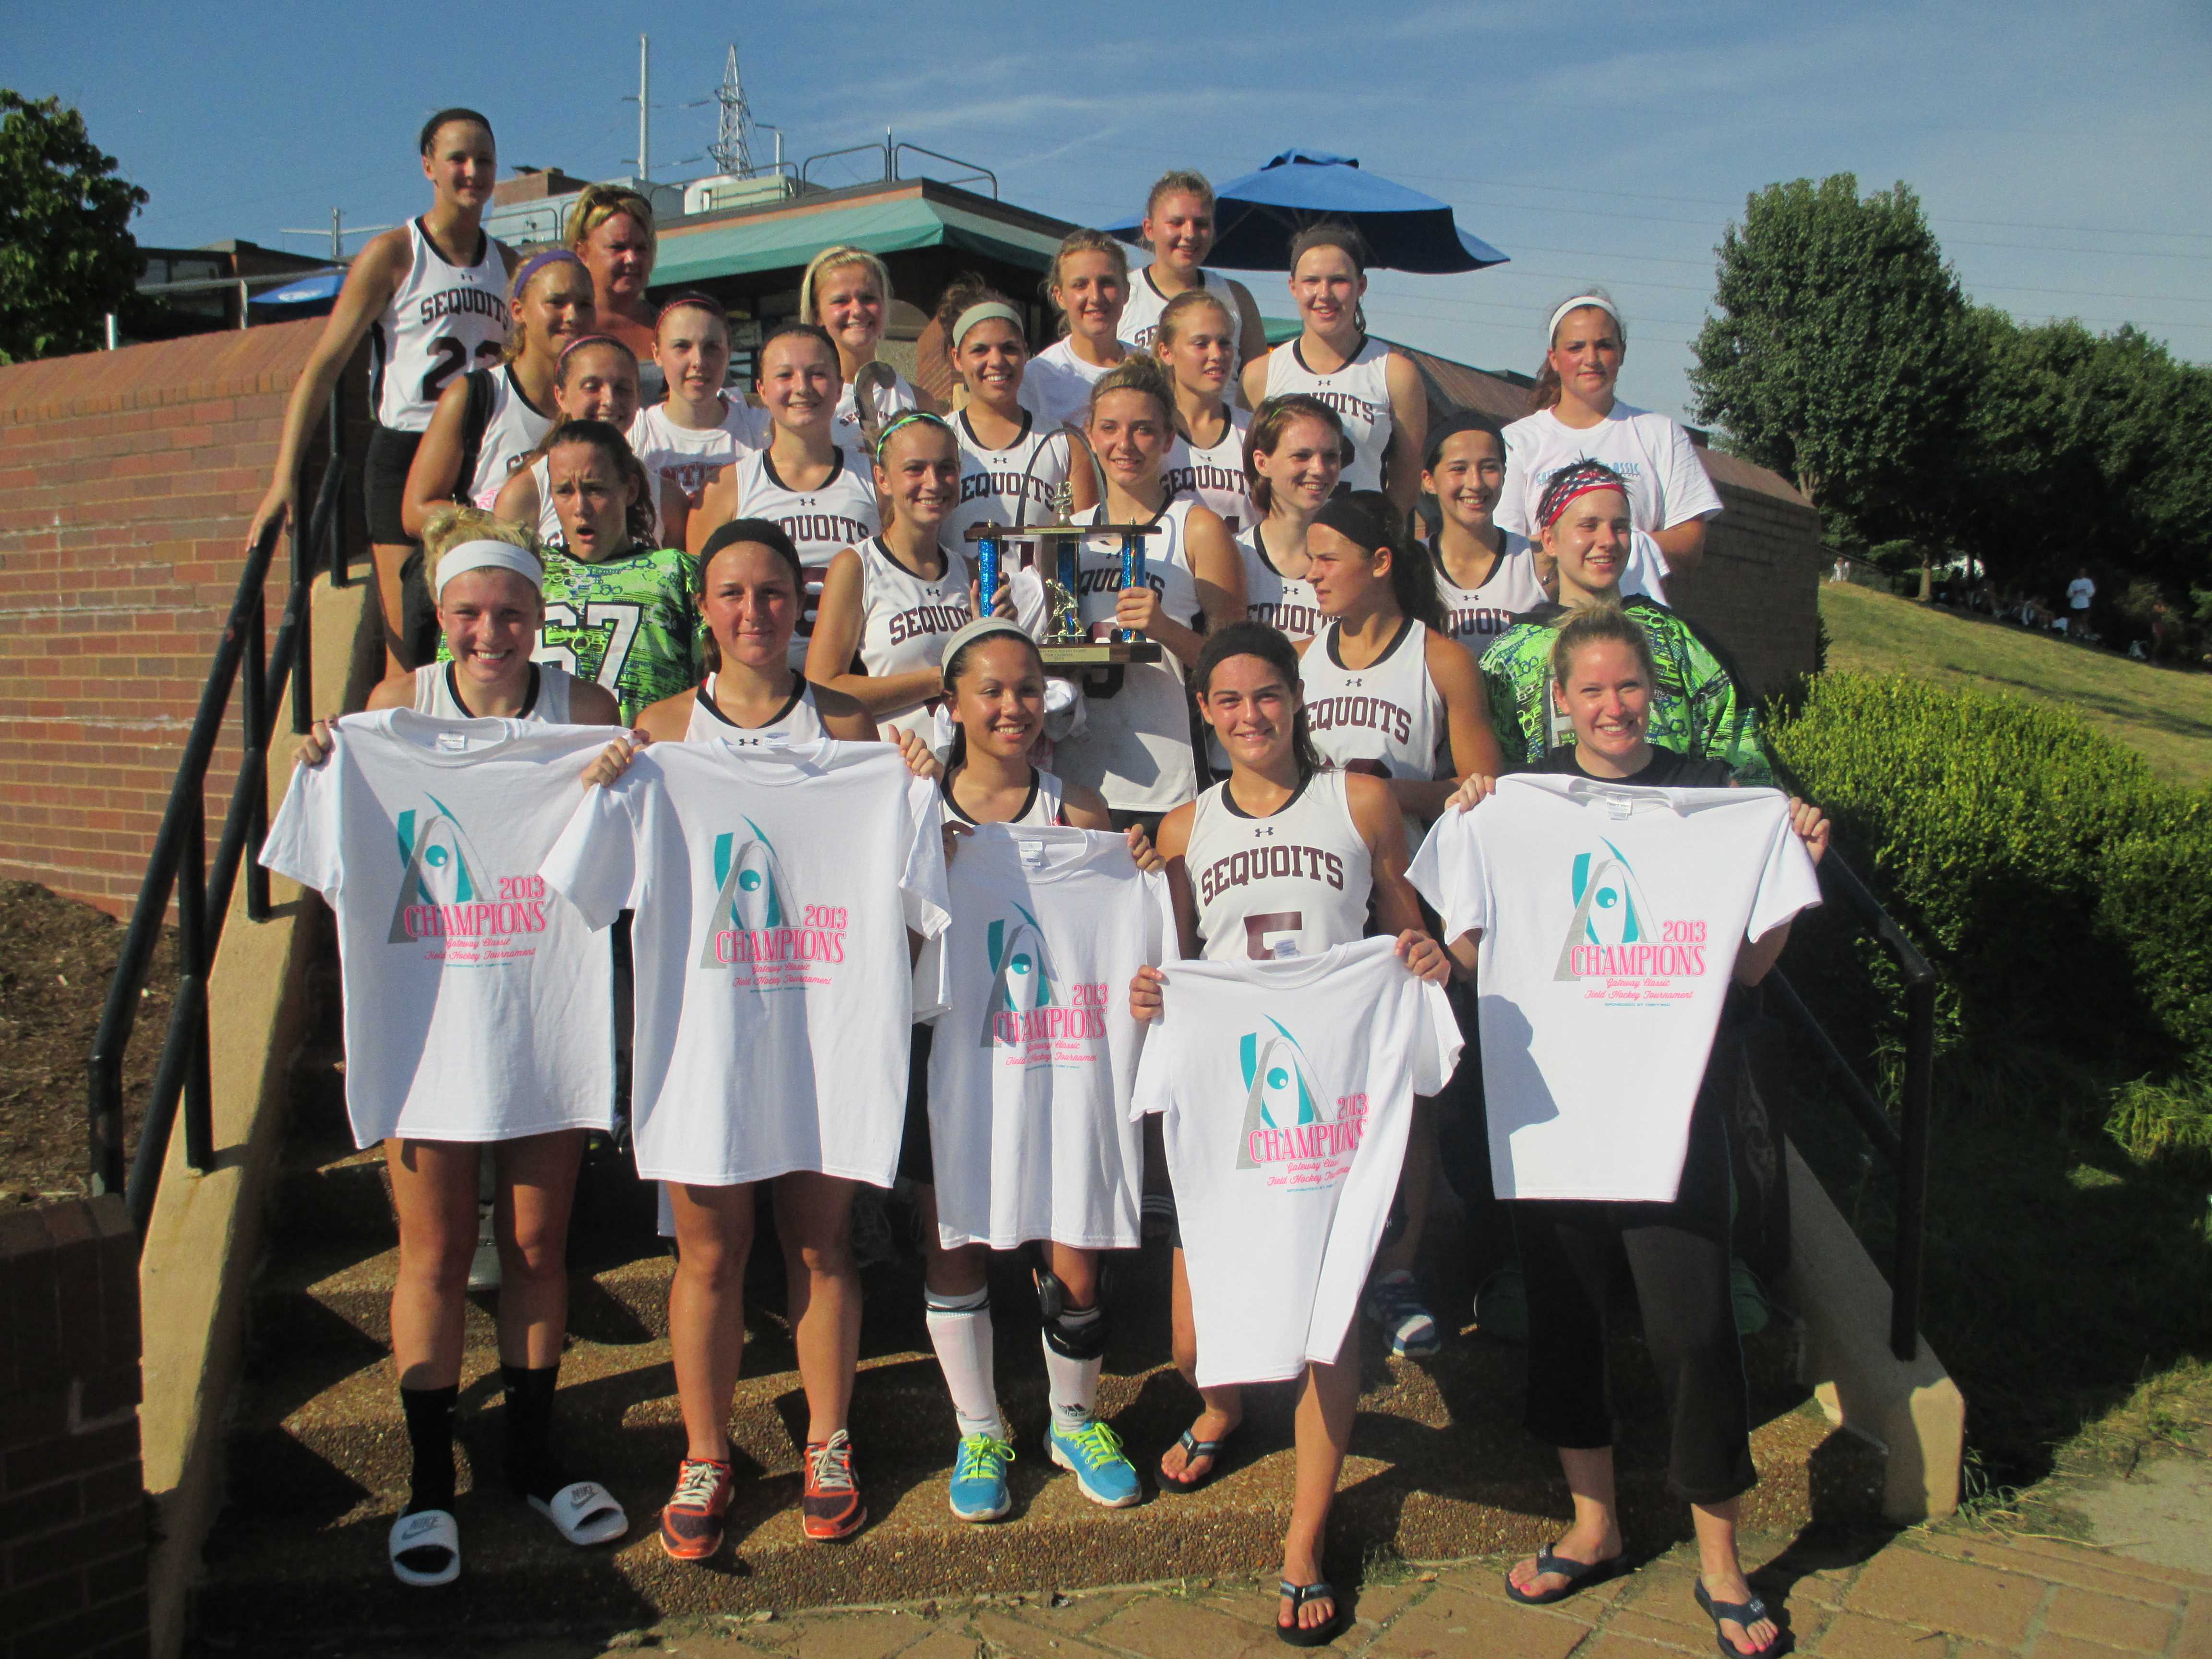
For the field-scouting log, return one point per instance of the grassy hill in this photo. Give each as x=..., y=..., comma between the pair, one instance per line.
x=2165, y=712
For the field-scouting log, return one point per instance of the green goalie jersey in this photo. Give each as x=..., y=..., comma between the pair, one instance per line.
x=1696, y=708
x=627, y=623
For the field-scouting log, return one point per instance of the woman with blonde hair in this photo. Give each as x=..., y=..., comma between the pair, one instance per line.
x=1376, y=390
x=1195, y=340
x=611, y=229
x=1178, y=228
x=1088, y=286
x=847, y=293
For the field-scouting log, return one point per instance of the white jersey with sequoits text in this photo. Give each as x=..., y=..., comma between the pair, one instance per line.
x=478, y=1005
x=443, y=320
x=773, y=890
x=438, y=692
x=1286, y=604
x=1387, y=718
x=1134, y=746
x=1610, y=917
x=798, y=721
x=1292, y=884
x=684, y=457
x=1215, y=476
x=1360, y=394
x=1056, y=386
x=995, y=483
x=1035, y=1057
x=1666, y=482
x=1475, y=616
x=889, y=400
x=515, y=428
x=1141, y=318
x=548, y=516
x=1286, y=1089
x=837, y=514
x=905, y=620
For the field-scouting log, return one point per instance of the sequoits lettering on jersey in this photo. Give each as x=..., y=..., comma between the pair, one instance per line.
x=1373, y=713
x=1250, y=864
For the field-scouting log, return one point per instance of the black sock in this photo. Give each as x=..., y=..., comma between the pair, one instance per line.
x=531, y=1470
x=430, y=1435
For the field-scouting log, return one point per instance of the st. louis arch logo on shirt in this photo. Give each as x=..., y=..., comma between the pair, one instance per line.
x=1617, y=933
x=438, y=867
x=1279, y=1090
x=1022, y=976
x=752, y=894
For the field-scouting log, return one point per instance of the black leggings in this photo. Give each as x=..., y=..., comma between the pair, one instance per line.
x=1678, y=1254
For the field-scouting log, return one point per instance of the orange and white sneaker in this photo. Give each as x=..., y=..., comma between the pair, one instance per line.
x=692, y=1521
x=831, y=1508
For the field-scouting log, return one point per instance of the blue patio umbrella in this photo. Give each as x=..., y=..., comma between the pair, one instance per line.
x=311, y=291
x=1255, y=216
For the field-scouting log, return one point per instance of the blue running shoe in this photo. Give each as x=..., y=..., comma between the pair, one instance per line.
x=979, y=1479
x=1093, y=1455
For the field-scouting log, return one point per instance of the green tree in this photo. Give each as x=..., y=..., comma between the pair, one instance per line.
x=1833, y=359
x=67, y=257
x=2085, y=449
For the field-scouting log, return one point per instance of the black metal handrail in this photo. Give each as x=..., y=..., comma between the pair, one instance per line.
x=1902, y=1144
x=245, y=660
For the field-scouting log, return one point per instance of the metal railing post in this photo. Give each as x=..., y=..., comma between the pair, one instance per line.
x=334, y=482
x=1912, y=1166
x=192, y=961
x=253, y=725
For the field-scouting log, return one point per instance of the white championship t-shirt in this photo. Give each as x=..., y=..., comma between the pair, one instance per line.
x=774, y=891
x=1610, y=917
x=478, y=1006
x=1667, y=482
x=1286, y=1089
x=1036, y=1057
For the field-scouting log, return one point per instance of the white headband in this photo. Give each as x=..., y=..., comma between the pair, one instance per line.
x=1576, y=304
x=983, y=311
x=489, y=555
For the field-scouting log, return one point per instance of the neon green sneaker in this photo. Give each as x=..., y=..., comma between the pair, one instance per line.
x=979, y=1479
x=1093, y=1455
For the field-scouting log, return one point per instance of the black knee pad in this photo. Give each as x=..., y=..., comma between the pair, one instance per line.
x=1083, y=1342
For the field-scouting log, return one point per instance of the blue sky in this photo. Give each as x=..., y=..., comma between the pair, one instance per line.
x=2061, y=150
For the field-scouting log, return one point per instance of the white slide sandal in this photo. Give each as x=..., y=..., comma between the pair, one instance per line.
x=585, y=1513
x=432, y=1537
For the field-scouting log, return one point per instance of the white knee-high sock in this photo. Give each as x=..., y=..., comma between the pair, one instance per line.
x=1074, y=1383
x=960, y=1331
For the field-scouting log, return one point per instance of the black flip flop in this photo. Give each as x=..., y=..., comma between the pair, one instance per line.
x=1579, y=1574
x=1194, y=1447
x=1310, y=1636
x=1746, y=1613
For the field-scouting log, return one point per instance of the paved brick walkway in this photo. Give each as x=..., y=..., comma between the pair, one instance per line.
x=1916, y=1596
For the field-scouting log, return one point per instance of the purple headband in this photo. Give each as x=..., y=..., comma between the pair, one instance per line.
x=537, y=262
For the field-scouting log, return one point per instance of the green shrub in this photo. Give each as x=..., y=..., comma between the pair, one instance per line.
x=2065, y=889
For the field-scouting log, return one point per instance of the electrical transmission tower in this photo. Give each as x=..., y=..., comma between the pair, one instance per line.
x=732, y=149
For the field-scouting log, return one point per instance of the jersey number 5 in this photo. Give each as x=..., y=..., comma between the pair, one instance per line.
x=620, y=620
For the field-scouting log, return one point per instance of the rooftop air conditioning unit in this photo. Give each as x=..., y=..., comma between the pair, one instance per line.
x=727, y=191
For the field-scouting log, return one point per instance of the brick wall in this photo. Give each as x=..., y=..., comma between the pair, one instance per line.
x=126, y=481
x=1758, y=592
x=72, y=1508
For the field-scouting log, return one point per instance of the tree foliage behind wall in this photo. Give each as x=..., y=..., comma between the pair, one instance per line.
x=1845, y=358
x=67, y=257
